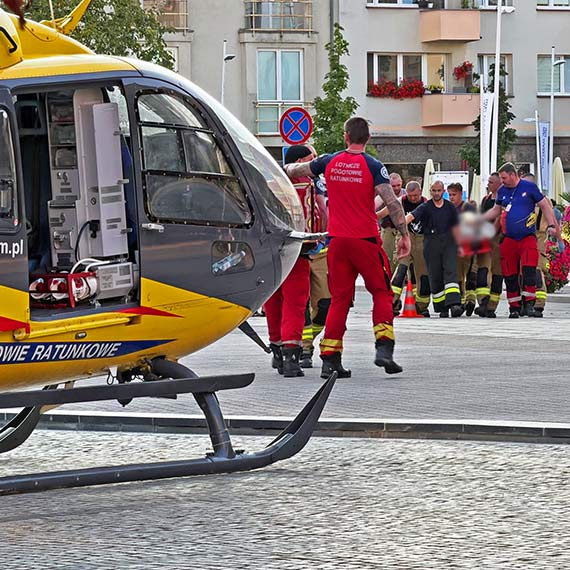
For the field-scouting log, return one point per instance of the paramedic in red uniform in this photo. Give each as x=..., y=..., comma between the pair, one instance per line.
x=515, y=204
x=285, y=309
x=353, y=179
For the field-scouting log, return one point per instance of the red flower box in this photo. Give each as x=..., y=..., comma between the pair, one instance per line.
x=406, y=89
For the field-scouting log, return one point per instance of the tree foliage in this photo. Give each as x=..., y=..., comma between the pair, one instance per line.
x=506, y=135
x=113, y=27
x=333, y=110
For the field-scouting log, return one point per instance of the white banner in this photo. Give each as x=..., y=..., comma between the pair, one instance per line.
x=543, y=139
x=485, y=136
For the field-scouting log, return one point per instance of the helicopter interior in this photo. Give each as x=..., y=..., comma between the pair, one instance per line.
x=80, y=201
x=80, y=195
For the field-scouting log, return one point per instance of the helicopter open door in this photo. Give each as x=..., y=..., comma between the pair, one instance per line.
x=13, y=245
x=199, y=230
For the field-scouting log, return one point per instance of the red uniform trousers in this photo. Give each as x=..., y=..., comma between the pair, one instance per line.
x=519, y=259
x=348, y=257
x=285, y=309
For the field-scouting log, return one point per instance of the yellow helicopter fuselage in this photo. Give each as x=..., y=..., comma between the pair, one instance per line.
x=199, y=226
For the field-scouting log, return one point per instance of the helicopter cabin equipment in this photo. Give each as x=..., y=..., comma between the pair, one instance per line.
x=86, y=211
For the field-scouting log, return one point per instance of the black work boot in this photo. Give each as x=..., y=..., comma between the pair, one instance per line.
x=469, y=308
x=306, y=358
x=385, y=357
x=456, y=311
x=538, y=312
x=528, y=309
x=333, y=363
x=514, y=312
x=277, y=360
x=291, y=368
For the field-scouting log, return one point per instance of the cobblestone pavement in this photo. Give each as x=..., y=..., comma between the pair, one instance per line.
x=463, y=368
x=339, y=504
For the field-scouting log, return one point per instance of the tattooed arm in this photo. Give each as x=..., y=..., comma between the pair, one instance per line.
x=398, y=217
x=298, y=169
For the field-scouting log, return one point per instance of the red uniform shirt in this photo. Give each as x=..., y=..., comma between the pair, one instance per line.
x=351, y=179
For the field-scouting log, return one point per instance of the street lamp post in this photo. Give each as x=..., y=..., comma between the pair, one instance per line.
x=225, y=58
x=496, y=84
x=551, y=141
x=537, y=169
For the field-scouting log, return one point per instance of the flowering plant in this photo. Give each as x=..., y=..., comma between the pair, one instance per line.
x=463, y=70
x=406, y=89
x=557, y=266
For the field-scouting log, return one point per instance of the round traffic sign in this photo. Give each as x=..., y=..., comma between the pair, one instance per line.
x=295, y=125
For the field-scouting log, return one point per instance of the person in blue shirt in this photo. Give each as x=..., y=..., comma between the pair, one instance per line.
x=515, y=205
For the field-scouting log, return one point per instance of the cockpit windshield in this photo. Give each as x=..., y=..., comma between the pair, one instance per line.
x=279, y=197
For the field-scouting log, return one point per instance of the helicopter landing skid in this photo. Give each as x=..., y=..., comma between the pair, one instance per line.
x=223, y=459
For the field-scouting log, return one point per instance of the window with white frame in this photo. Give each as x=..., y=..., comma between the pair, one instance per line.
x=279, y=80
x=429, y=68
x=554, y=3
x=561, y=75
x=484, y=63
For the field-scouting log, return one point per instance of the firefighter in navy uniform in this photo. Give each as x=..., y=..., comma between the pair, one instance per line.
x=410, y=201
x=488, y=308
x=439, y=221
x=353, y=178
x=515, y=205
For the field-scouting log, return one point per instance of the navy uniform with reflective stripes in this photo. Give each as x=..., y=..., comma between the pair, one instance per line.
x=440, y=252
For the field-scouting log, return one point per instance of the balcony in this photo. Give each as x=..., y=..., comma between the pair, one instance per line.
x=172, y=14
x=450, y=25
x=279, y=15
x=449, y=109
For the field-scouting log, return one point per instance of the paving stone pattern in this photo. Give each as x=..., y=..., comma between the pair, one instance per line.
x=340, y=504
x=467, y=368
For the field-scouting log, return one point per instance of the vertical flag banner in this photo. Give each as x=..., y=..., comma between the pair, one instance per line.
x=543, y=138
x=485, y=136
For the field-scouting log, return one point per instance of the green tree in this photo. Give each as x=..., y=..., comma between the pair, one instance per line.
x=506, y=135
x=333, y=110
x=113, y=27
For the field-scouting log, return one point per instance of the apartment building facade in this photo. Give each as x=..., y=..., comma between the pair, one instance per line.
x=280, y=61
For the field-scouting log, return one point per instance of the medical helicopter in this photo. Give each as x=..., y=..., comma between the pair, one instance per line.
x=139, y=223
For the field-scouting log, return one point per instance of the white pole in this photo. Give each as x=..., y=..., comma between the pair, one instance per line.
x=224, y=53
x=551, y=145
x=537, y=169
x=495, y=123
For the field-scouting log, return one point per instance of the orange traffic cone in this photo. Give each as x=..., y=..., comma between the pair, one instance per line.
x=410, y=304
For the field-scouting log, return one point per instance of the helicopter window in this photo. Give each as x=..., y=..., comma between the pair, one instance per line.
x=162, y=108
x=231, y=257
x=8, y=215
x=197, y=199
x=187, y=177
x=162, y=149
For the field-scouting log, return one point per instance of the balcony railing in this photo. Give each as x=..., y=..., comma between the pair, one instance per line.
x=171, y=13
x=268, y=113
x=279, y=15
